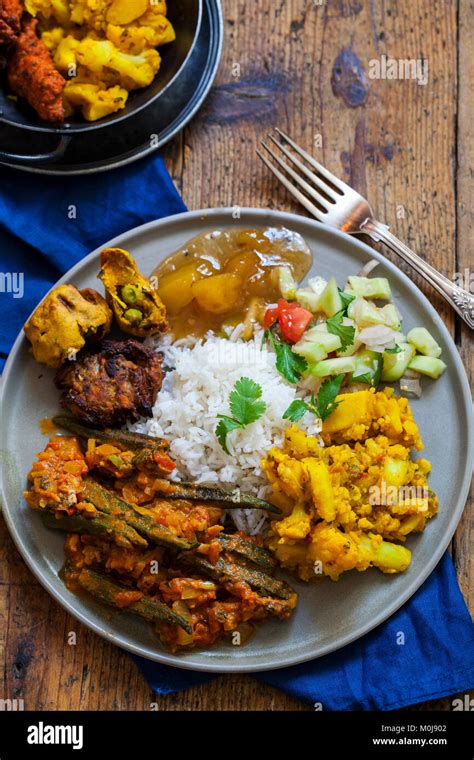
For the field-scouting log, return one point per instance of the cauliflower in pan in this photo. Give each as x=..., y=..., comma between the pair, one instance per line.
x=105, y=48
x=346, y=504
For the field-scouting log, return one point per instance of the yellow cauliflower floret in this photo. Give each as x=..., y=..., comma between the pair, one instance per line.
x=91, y=13
x=300, y=445
x=65, y=56
x=295, y=526
x=94, y=101
x=101, y=59
x=135, y=38
x=58, y=9
x=53, y=37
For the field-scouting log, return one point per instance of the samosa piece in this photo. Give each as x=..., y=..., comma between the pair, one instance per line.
x=64, y=321
x=137, y=307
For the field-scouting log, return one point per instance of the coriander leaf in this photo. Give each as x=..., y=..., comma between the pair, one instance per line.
x=244, y=401
x=297, y=409
x=328, y=391
x=345, y=332
x=366, y=377
x=246, y=406
x=378, y=370
x=346, y=299
x=288, y=364
x=395, y=350
x=225, y=426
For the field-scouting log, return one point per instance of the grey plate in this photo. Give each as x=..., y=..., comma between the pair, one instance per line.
x=329, y=615
x=130, y=140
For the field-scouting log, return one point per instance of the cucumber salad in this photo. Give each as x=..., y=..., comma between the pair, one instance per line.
x=321, y=331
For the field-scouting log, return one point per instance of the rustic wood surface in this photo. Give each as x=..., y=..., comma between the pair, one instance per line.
x=408, y=147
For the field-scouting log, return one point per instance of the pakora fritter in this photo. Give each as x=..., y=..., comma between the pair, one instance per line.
x=116, y=383
x=63, y=323
x=137, y=307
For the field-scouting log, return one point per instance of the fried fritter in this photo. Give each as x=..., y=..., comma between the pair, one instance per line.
x=32, y=75
x=113, y=385
x=64, y=321
x=137, y=307
x=11, y=12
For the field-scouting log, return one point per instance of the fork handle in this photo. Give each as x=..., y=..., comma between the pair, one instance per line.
x=461, y=300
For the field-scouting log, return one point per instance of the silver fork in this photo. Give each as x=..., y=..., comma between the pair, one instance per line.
x=338, y=205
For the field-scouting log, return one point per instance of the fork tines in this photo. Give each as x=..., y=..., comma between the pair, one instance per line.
x=323, y=187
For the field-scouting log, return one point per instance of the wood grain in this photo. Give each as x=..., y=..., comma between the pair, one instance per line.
x=408, y=147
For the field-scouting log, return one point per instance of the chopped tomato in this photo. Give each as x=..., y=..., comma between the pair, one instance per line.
x=270, y=317
x=293, y=320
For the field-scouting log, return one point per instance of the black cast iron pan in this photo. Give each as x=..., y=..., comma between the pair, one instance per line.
x=185, y=15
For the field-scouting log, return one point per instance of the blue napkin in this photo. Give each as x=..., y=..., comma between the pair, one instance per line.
x=47, y=224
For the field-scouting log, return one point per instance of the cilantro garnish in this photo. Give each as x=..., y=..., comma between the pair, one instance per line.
x=345, y=332
x=288, y=364
x=322, y=407
x=346, y=299
x=246, y=406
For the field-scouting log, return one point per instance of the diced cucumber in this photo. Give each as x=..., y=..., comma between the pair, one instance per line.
x=312, y=352
x=287, y=283
x=394, y=365
x=366, y=314
x=424, y=342
x=428, y=365
x=366, y=367
x=333, y=366
x=370, y=287
x=391, y=317
x=352, y=348
x=317, y=284
x=330, y=300
x=307, y=298
x=316, y=344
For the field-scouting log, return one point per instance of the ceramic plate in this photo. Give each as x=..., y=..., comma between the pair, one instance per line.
x=329, y=615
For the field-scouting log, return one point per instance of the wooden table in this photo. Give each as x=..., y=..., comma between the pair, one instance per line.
x=407, y=146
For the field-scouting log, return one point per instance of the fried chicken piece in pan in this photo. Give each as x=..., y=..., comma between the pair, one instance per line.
x=31, y=74
x=111, y=386
x=11, y=12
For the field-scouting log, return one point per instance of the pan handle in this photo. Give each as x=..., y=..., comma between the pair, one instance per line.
x=38, y=158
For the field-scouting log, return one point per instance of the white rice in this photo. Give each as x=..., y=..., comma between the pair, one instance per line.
x=196, y=390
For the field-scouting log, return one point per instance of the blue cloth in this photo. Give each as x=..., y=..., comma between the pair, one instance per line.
x=47, y=224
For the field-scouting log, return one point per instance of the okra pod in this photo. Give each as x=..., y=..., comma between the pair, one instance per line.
x=248, y=550
x=101, y=525
x=109, y=592
x=235, y=499
x=228, y=572
x=127, y=439
x=107, y=502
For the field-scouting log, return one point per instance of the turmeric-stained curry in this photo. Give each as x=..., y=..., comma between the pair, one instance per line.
x=346, y=504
